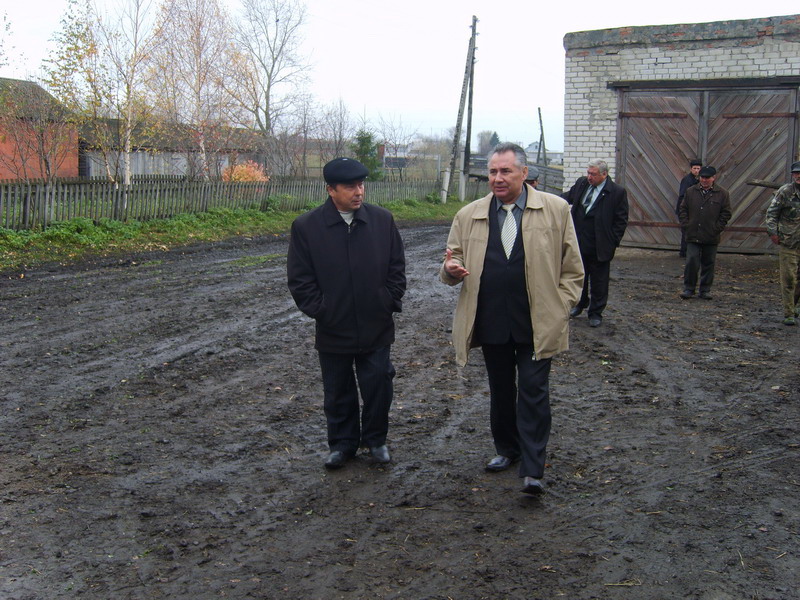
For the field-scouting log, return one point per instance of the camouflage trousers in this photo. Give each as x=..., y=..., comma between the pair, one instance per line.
x=789, y=262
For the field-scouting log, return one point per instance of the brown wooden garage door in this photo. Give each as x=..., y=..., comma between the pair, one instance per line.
x=747, y=134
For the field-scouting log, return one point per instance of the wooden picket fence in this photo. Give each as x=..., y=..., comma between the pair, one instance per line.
x=38, y=205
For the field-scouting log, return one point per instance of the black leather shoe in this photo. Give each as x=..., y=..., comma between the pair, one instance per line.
x=704, y=295
x=575, y=312
x=595, y=321
x=532, y=486
x=500, y=463
x=380, y=454
x=686, y=294
x=336, y=460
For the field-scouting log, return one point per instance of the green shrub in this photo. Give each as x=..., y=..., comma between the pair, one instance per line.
x=275, y=202
x=14, y=240
x=312, y=205
x=75, y=232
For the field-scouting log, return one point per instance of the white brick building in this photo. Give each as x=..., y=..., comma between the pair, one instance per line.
x=647, y=99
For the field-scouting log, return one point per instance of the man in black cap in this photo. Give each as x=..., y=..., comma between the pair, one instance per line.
x=346, y=270
x=783, y=227
x=704, y=212
x=690, y=179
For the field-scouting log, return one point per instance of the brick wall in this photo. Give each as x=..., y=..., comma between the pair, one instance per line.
x=65, y=159
x=756, y=48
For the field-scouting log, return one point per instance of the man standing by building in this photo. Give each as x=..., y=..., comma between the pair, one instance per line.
x=600, y=213
x=516, y=256
x=704, y=212
x=346, y=270
x=783, y=227
x=690, y=179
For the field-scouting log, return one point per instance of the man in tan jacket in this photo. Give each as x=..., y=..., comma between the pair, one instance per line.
x=516, y=255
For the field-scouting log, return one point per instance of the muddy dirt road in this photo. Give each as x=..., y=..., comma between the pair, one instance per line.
x=162, y=436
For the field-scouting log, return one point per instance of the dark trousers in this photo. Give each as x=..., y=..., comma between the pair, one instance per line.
x=520, y=404
x=699, y=258
x=375, y=372
x=595, y=285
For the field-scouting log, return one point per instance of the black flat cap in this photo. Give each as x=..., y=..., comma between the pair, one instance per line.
x=533, y=173
x=695, y=162
x=708, y=172
x=344, y=170
x=796, y=167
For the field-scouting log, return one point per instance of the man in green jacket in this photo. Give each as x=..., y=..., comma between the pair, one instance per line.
x=783, y=227
x=516, y=256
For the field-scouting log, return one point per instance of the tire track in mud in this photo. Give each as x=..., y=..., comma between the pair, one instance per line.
x=204, y=477
x=679, y=417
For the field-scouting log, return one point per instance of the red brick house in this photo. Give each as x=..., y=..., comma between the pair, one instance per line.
x=37, y=138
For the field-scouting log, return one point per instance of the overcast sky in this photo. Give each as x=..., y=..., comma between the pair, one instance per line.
x=404, y=61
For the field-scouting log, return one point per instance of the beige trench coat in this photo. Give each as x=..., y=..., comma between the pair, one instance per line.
x=552, y=262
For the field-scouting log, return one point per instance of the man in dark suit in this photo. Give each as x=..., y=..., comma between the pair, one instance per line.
x=600, y=214
x=346, y=270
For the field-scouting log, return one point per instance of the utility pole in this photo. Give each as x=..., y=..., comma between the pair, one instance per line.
x=542, y=150
x=456, y=138
x=462, y=182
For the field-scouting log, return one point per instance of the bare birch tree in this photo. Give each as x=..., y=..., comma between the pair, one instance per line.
x=268, y=34
x=397, y=139
x=125, y=40
x=75, y=72
x=191, y=76
x=305, y=116
x=334, y=131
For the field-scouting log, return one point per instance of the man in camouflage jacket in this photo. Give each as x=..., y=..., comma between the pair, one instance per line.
x=783, y=227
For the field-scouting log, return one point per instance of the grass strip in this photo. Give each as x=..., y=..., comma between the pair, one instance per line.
x=81, y=238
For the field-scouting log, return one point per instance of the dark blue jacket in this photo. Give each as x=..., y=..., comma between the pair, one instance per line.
x=350, y=280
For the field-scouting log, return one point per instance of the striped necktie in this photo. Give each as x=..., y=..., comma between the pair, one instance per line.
x=589, y=197
x=509, y=232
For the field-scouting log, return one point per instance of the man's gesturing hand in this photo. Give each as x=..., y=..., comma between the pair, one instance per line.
x=453, y=267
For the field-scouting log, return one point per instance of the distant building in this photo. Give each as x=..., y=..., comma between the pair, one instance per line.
x=553, y=158
x=161, y=152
